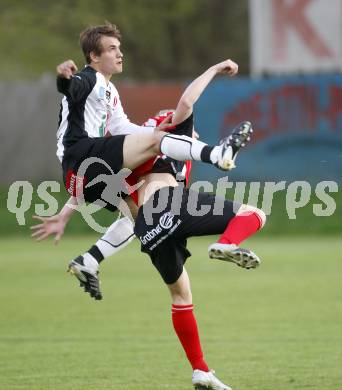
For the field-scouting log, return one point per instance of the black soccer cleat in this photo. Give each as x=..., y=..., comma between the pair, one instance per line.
x=86, y=271
x=231, y=145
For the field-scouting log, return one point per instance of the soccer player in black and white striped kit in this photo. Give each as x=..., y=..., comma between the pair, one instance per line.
x=91, y=107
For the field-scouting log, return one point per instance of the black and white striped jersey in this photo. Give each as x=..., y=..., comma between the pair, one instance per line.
x=90, y=108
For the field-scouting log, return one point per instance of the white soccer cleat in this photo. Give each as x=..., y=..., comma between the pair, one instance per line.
x=230, y=146
x=207, y=380
x=244, y=258
x=86, y=270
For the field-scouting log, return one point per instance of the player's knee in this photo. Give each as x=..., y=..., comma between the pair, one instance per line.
x=245, y=208
x=156, y=138
x=180, y=294
x=182, y=298
x=150, y=141
x=262, y=217
x=142, y=142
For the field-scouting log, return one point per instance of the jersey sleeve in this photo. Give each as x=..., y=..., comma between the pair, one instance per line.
x=120, y=124
x=76, y=88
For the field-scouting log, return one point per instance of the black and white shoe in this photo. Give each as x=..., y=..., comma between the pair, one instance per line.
x=244, y=258
x=231, y=145
x=86, y=270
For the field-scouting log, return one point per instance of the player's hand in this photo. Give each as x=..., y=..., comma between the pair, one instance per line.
x=49, y=225
x=228, y=67
x=165, y=124
x=66, y=69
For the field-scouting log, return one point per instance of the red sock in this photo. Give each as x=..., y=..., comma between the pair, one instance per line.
x=184, y=323
x=240, y=227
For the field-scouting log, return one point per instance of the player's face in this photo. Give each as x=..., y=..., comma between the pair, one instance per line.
x=110, y=60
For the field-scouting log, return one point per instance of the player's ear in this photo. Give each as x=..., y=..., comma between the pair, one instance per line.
x=94, y=57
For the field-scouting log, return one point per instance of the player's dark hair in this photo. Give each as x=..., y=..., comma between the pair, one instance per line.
x=90, y=38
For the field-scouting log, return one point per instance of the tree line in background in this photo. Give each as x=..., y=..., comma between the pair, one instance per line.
x=162, y=39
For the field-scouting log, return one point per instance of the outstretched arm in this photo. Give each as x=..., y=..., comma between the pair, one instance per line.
x=66, y=69
x=55, y=224
x=74, y=86
x=196, y=88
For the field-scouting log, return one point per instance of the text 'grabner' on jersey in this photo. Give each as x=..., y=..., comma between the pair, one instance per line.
x=90, y=107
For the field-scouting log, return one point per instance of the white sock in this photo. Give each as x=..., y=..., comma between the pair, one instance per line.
x=214, y=154
x=117, y=237
x=90, y=261
x=182, y=147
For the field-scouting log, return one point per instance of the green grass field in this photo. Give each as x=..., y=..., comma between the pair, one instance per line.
x=275, y=328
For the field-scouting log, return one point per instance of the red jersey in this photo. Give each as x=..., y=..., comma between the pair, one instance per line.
x=147, y=166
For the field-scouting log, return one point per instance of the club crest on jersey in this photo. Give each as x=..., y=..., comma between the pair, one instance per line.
x=108, y=94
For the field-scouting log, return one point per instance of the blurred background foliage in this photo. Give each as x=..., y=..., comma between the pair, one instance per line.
x=162, y=39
